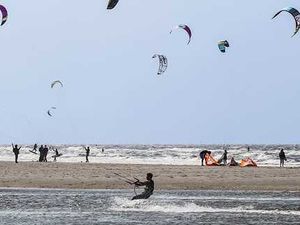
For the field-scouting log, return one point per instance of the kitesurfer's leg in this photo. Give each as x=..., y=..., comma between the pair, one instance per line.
x=16, y=158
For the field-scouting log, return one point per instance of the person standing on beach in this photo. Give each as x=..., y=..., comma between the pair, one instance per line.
x=46, y=150
x=87, y=153
x=202, y=155
x=16, y=150
x=56, y=155
x=282, y=157
x=248, y=149
x=148, y=189
x=34, y=148
x=224, y=157
x=41, y=150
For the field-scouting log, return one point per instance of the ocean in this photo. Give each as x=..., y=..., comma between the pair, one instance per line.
x=263, y=155
x=91, y=207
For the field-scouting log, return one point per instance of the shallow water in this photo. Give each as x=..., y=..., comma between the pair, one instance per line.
x=42, y=206
x=264, y=155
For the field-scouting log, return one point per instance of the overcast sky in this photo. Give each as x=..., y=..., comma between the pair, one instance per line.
x=111, y=92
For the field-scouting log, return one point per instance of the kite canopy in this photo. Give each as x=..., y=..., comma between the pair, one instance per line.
x=223, y=45
x=295, y=13
x=247, y=162
x=49, y=112
x=112, y=4
x=186, y=28
x=163, y=63
x=4, y=14
x=56, y=82
x=210, y=161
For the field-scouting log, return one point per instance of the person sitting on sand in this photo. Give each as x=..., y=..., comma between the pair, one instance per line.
x=202, y=155
x=16, y=150
x=282, y=158
x=233, y=162
x=148, y=191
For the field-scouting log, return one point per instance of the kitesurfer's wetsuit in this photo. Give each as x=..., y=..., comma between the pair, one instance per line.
x=148, y=189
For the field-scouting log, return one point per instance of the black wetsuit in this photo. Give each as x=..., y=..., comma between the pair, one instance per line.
x=148, y=189
x=16, y=150
x=87, y=154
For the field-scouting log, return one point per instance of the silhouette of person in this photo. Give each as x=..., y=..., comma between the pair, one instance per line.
x=16, y=150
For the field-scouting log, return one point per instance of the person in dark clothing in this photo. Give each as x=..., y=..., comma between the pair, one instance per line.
x=224, y=157
x=282, y=158
x=87, y=153
x=41, y=150
x=46, y=150
x=148, y=191
x=34, y=148
x=202, y=155
x=56, y=155
x=16, y=150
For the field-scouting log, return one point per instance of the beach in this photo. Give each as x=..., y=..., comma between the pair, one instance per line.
x=166, y=177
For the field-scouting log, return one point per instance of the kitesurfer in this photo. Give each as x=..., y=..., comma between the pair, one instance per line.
x=282, y=158
x=16, y=150
x=34, y=148
x=87, y=153
x=56, y=155
x=148, y=191
x=202, y=155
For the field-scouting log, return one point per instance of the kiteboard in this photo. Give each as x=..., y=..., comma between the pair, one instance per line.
x=60, y=154
x=34, y=152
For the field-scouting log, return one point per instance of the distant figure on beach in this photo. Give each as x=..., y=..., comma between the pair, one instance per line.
x=16, y=150
x=282, y=157
x=41, y=150
x=248, y=149
x=87, y=153
x=34, y=148
x=224, y=157
x=102, y=150
x=148, y=189
x=202, y=155
x=46, y=150
x=56, y=155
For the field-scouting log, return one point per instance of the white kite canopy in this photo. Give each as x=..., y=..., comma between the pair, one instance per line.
x=49, y=112
x=186, y=28
x=56, y=82
x=163, y=63
x=295, y=13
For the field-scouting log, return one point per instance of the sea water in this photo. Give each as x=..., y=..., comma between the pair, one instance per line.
x=263, y=155
x=59, y=206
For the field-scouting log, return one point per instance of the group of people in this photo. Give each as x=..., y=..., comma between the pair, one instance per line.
x=223, y=159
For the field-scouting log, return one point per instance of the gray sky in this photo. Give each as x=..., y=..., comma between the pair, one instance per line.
x=111, y=91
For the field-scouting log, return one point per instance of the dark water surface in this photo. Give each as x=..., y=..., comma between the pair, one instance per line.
x=43, y=206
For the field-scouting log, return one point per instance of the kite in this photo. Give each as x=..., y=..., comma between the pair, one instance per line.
x=295, y=13
x=112, y=4
x=186, y=28
x=163, y=63
x=56, y=82
x=4, y=14
x=223, y=45
x=49, y=111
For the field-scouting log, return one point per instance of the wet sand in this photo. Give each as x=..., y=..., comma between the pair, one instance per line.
x=101, y=176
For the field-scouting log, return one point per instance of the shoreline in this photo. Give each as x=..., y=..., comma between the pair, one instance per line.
x=166, y=177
